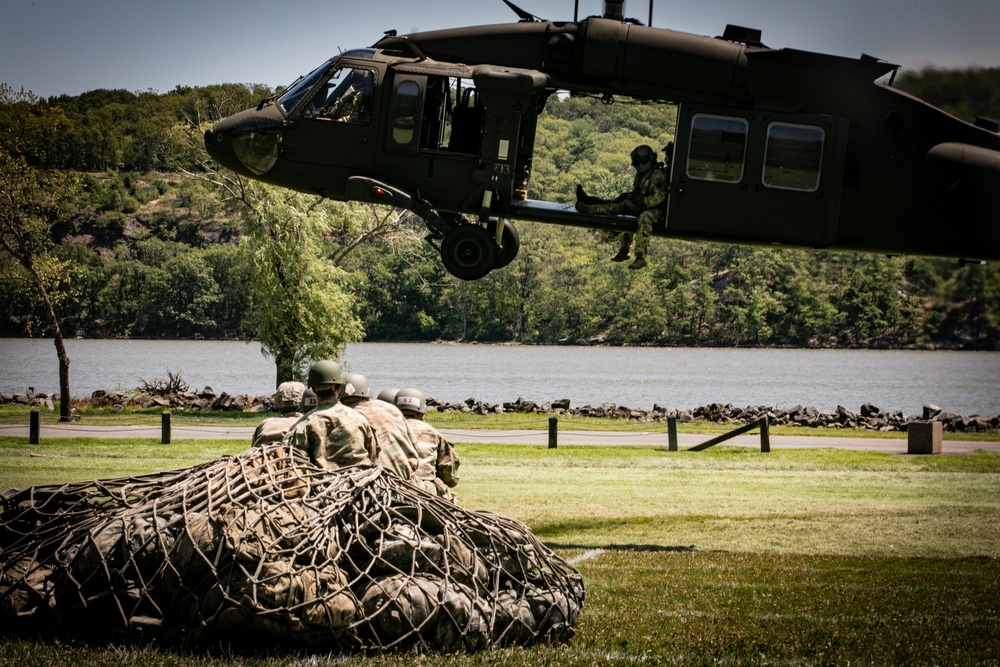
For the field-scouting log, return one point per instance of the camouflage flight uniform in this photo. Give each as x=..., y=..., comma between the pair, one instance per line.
x=397, y=451
x=439, y=462
x=334, y=436
x=354, y=106
x=649, y=192
x=273, y=429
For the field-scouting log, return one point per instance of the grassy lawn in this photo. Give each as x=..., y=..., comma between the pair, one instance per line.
x=728, y=556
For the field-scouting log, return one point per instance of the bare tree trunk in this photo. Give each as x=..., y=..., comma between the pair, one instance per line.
x=50, y=315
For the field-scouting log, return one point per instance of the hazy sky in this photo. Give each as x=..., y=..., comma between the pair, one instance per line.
x=54, y=47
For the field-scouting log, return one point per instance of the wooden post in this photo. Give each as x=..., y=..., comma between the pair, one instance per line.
x=923, y=437
x=553, y=429
x=672, y=434
x=765, y=436
x=34, y=428
x=165, y=427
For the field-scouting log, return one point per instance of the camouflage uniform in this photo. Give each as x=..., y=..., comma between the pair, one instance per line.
x=439, y=462
x=649, y=192
x=354, y=106
x=334, y=436
x=273, y=429
x=397, y=451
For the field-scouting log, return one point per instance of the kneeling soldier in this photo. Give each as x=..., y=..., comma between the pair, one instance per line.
x=287, y=400
x=333, y=435
x=438, y=458
x=397, y=451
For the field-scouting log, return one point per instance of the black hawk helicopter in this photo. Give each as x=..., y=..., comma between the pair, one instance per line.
x=781, y=147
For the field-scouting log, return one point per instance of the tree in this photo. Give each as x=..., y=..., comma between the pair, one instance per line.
x=300, y=301
x=28, y=206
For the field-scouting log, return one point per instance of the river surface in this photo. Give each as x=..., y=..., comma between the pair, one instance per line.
x=959, y=382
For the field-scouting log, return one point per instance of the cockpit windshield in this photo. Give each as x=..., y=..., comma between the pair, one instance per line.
x=291, y=97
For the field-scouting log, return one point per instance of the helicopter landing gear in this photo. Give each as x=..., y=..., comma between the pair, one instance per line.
x=510, y=243
x=469, y=252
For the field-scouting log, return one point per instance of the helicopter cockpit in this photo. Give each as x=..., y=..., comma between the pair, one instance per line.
x=333, y=91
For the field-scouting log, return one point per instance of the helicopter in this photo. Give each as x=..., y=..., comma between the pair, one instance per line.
x=772, y=146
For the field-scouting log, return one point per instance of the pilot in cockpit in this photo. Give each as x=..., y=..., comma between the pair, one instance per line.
x=354, y=104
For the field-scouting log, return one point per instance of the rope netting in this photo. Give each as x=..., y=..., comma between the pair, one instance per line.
x=264, y=547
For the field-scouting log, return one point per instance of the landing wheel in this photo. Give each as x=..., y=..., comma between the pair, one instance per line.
x=510, y=243
x=468, y=252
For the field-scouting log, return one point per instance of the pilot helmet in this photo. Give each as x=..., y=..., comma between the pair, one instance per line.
x=643, y=158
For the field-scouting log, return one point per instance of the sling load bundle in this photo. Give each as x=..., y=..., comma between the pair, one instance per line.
x=266, y=548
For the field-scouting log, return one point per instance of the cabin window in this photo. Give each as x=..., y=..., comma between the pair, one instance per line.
x=793, y=156
x=346, y=97
x=404, y=121
x=717, y=149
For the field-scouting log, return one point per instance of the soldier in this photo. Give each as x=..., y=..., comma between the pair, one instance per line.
x=388, y=395
x=647, y=200
x=332, y=434
x=438, y=458
x=354, y=105
x=309, y=401
x=397, y=451
x=287, y=400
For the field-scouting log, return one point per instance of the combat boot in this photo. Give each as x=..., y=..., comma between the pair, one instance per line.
x=584, y=208
x=622, y=255
x=639, y=263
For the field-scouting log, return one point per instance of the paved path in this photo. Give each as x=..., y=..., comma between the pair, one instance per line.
x=514, y=437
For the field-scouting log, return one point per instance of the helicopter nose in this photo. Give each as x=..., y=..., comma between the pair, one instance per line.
x=248, y=142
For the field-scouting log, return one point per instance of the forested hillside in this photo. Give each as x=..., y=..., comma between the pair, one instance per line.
x=149, y=251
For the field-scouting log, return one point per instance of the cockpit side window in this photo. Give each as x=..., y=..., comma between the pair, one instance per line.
x=346, y=97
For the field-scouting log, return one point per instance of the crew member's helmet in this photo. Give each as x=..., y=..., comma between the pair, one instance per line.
x=355, y=385
x=388, y=394
x=411, y=400
x=309, y=400
x=288, y=396
x=643, y=158
x=325, y=374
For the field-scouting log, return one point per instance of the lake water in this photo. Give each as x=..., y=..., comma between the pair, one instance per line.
x=960, y=382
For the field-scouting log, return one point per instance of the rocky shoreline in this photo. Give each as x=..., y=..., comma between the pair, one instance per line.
x=869, y=417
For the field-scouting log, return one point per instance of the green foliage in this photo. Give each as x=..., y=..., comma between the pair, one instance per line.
x=560, y=288
x=300, y=301
x=965, y=93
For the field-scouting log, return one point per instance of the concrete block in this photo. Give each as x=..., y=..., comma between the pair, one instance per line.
x=923, y=437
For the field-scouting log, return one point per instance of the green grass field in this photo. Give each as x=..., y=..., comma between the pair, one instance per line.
x=728, y=556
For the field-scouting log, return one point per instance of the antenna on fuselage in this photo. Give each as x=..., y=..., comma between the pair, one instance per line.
x=523, y=15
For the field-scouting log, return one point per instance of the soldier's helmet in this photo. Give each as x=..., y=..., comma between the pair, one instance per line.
x=288, y=395
x=309, y=400
x=410, y=400
x=643, y=158
x=388, y=394
x=325, y=374
x=355, y=385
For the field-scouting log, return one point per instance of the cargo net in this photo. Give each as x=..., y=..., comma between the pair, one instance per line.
x=264, y=548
